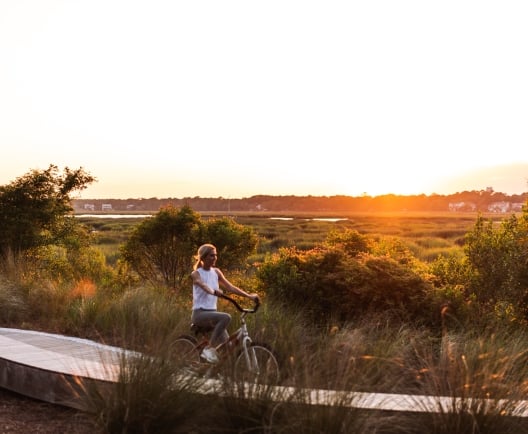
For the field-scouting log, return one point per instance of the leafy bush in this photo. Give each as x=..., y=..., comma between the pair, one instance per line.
x=488, y=283
x=499, y=258
x=332, y=281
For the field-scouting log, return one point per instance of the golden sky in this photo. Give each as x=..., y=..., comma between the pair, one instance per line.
x=165, y=98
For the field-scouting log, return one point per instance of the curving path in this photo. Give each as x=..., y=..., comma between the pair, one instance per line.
x=52, y=367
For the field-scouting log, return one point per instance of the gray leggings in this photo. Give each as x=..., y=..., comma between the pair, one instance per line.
x=212, y=318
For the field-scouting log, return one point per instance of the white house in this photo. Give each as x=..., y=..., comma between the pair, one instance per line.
x=517, y=206
x=499, y=206
x=462, y=206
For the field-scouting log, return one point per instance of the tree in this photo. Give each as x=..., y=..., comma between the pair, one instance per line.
x=161, y=248
x=234, y=242
x=35, y=208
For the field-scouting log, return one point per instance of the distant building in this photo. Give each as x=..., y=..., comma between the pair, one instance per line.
x=516, y=206
x=89, y=206
x=499, y=207
x=462, y=206
x=106, y=207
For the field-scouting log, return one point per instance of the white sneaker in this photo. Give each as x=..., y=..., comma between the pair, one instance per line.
x=209, y=354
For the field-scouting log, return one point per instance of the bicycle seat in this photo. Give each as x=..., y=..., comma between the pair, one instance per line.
x=201, y=329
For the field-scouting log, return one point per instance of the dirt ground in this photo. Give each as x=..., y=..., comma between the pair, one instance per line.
x=20, y=414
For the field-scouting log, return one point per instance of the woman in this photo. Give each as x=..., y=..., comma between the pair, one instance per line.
x=206, y=280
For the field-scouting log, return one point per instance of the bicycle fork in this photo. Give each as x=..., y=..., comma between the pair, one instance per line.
x=250, y=356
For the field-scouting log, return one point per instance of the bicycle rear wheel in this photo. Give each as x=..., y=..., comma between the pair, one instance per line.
x=259, y=365
x=184, y=352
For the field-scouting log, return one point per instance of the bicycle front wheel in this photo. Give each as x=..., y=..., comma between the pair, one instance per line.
x=257, y=365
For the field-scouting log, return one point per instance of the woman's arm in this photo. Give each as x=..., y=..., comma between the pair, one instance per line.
x=197, y=280
x=222, y=280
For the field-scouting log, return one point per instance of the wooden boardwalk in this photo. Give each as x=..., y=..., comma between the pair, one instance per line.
x=52, y=367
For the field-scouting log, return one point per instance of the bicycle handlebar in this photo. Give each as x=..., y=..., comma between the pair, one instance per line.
x=256, y=304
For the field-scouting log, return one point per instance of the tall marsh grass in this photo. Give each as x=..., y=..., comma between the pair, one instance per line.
x=145, y=399
x=13, y=302
x=477, y=377
x=475, y=382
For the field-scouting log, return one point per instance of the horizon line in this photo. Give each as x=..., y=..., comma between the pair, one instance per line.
x=305, y=195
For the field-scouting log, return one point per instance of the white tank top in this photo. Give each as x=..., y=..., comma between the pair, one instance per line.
x=202, y=299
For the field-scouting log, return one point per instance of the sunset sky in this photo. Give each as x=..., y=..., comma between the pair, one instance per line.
x=168, y=98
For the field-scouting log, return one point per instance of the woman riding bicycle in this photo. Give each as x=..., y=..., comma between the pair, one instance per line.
x=206, y=280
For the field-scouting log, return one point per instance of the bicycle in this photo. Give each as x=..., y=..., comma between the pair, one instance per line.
x=250, y=361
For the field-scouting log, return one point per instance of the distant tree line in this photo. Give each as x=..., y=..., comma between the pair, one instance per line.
x=479, y=201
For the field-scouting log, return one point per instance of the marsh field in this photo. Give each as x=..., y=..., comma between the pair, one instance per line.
x=396, y=333
x=427, y=234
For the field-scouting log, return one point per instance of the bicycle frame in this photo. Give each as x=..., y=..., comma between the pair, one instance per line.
x=251, y=361
x=241, y=335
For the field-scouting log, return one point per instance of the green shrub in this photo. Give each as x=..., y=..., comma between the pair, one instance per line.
x=498, y=256
x=330, y=284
